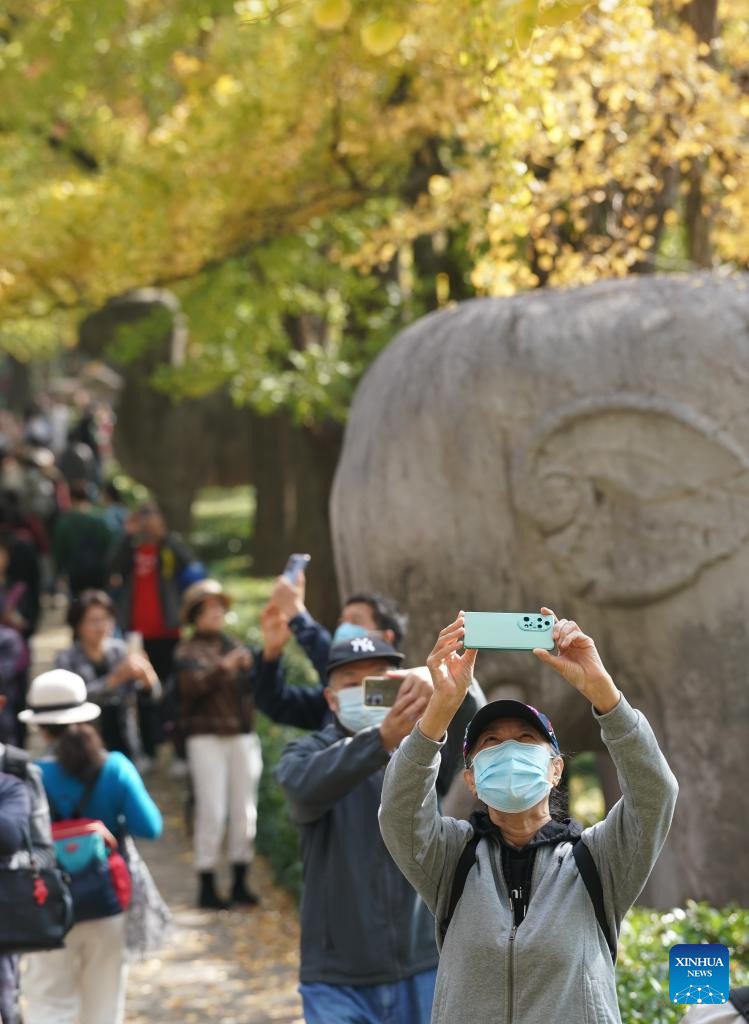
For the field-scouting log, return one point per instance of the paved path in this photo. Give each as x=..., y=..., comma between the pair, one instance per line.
x=234, y=967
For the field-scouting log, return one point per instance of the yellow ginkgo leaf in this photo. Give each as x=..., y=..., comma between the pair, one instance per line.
x=525, y=22
x=381, y=36
x=524, y=28
x=558, y=12
x=331, y=14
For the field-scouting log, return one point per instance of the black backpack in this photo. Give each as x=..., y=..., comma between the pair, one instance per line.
x=36, y=901
x=740, y=999
x=585, y=865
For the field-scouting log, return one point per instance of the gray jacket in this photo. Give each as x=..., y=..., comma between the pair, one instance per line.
x=362, y=923
x=555, y=966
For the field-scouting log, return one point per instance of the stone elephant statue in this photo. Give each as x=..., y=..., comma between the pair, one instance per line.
x=586, y=449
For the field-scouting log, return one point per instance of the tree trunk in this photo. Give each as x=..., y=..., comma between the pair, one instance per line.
x=696, y=220
x=17, y=385
x=173, y=448
x=702, y=16
x=294, y=469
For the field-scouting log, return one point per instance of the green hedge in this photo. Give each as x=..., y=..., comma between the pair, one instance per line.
x=647, y=936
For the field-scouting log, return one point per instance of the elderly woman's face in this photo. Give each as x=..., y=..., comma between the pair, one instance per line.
x=512, y=729
x=96, y=626
x=211, y=615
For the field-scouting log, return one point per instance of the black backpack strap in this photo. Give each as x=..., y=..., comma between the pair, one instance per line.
x=589, y=874
x=16, y=762
x=77, y=811
x=740, y=999
x=464, y=865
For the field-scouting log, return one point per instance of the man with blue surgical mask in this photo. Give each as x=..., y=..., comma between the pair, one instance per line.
x=306, y=707
x=368, y=952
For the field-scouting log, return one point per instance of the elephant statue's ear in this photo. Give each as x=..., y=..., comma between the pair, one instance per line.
x=632, y=496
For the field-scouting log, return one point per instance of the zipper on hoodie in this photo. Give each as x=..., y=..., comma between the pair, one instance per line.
x=511, y=942
x=495, y=854
x=510, y=966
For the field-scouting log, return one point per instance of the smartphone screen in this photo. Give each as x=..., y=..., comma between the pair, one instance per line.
x=381, y=691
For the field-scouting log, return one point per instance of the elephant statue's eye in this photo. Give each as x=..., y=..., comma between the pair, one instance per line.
x=633, y=496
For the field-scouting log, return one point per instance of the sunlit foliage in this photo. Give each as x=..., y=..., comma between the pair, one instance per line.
x=309, y=175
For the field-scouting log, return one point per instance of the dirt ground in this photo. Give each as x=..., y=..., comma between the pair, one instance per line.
x=232, y=967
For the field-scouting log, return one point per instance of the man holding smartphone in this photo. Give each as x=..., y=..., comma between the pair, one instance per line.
x=368, y=951
x=305, y=707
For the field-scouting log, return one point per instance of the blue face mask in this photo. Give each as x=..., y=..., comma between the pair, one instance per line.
x=354, y=714
x=512, y=776
x=347, y=631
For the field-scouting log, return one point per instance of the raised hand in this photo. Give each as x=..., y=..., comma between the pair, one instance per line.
x=450, y=670
x=276, y=632
x=578, y=661
x=289, y=597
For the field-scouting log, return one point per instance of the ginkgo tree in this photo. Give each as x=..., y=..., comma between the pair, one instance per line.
x=143, y=141
x=350, y=165
x=309, y=175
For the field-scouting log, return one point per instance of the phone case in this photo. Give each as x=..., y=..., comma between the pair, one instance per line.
x=508, y=631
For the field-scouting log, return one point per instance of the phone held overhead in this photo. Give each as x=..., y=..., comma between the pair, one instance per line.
x=508, y=631
x=297, y=563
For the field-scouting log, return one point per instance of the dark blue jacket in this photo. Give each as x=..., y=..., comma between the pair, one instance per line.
x=362, y=923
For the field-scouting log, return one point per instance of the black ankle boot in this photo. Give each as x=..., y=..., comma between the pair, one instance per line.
x=208, y=898
x=241, y=892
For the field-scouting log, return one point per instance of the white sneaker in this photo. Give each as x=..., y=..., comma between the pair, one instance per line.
x=178, y=769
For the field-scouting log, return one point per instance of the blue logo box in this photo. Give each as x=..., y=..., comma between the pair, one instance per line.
x=698, y=973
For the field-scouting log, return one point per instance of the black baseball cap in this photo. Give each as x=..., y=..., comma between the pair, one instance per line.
x=361, y=648
x=508, y=709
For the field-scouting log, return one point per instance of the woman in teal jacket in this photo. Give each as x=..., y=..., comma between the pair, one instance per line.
x=84, y=983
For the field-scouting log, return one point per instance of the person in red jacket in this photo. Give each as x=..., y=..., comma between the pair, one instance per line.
x=145, y=576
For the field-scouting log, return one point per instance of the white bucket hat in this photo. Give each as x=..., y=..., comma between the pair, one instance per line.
x=58, y=698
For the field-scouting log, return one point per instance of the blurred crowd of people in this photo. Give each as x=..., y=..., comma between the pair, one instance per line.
x=396, y=802
x=66, y=531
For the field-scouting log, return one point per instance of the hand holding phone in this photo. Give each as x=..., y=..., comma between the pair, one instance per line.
x=288, y=590
x=134, y=642
x=401, y=718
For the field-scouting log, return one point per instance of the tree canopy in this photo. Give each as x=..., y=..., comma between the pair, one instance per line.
x=307, y=176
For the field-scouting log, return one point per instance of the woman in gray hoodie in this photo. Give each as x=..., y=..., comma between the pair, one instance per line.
x=521, y=943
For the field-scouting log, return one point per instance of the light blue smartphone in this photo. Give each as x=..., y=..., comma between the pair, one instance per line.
x=508, y=631
x=297, y=563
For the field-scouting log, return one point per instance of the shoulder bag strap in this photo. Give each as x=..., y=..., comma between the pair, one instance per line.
x=589, y=874
x=464, y=865
x=16, y=762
